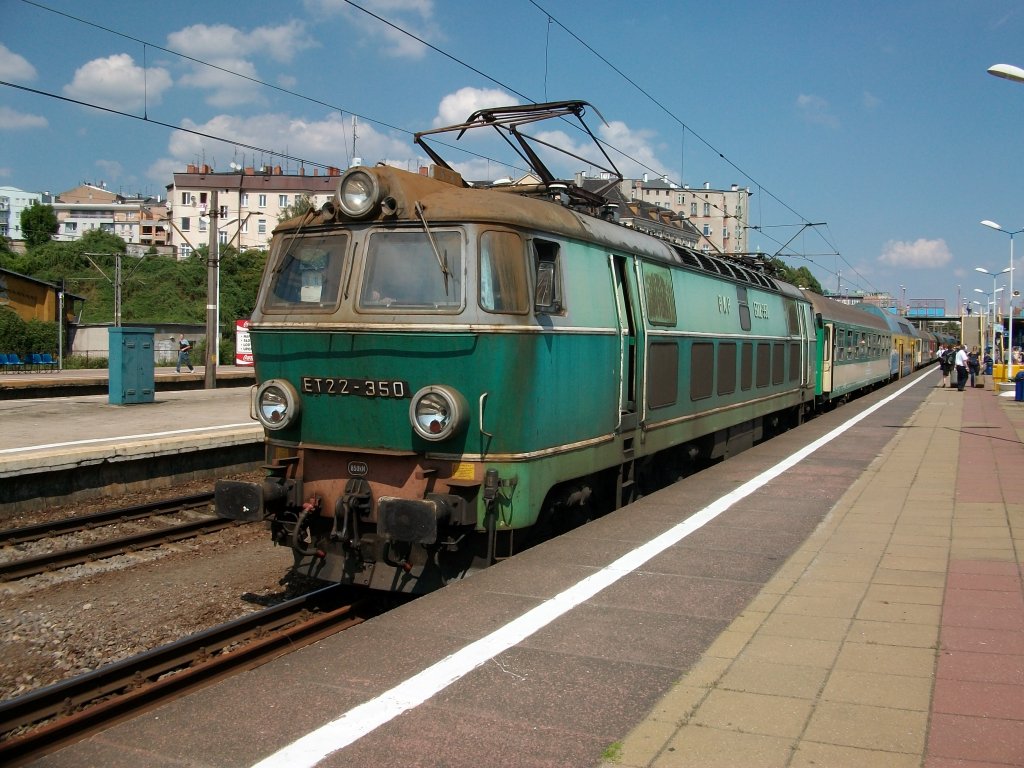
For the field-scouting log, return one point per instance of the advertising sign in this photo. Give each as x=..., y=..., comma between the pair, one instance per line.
x=243, y=344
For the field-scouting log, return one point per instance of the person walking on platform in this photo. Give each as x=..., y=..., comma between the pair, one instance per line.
x=961, y=367
x=184, y=345
x=974, y=365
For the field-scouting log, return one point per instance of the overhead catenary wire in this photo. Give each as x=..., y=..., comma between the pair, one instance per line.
x=549, y=20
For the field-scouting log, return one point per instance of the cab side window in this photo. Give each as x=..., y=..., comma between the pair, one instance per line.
x=503, y=286
x=548, y=296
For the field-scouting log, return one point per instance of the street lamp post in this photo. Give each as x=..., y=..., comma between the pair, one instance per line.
x=1009, y=327
x=994, y=292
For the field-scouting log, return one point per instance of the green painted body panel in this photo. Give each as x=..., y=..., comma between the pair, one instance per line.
x=528, y=406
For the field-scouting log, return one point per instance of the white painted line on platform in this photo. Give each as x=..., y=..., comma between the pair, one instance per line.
x=361, y=720
x=122, y=438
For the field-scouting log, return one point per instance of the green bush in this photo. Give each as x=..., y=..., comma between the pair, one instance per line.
x=85, y=361
x=24, y=338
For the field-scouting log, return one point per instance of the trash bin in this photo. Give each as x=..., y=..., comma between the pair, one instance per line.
x=999, y=372
x=1018, y=387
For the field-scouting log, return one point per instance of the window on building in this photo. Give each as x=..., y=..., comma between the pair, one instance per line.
x=222, y=237
x=282, y=200
x=202, y=198
x=202, y=224
x=245, y=226
x=707, y=230
x=679, y=199
x=262, y=201
x=707, y=209
x=693, y=209
x=261, y=226
x=184, y=251
x=245, y=200
x=223, y=212
x=186, y=224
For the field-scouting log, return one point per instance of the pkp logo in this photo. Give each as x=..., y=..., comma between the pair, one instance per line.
x=357, y=468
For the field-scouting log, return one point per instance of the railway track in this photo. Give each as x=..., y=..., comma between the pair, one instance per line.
x=73, y=709
x=63, y=558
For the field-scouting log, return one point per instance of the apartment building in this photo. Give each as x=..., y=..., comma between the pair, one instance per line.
x=12, y=202
x=719, y=215
x=250, y=202
x=140, y=222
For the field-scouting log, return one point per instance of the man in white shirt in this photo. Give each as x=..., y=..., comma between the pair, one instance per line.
x=961, y=367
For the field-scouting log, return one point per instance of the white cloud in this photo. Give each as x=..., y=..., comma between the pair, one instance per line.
x=224, y=88
x=456, y=107
x=638, y=156
x=416, y=16
x=218, y=42
x=318, y=141
x=12, y=120
x=815, y=109
x=870, y=101
x=110, y=170
x=14, y=66
x=231, y=81
x=117, y=82
x=920, y=254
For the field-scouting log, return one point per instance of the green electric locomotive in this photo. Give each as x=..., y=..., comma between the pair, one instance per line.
x=445, y=372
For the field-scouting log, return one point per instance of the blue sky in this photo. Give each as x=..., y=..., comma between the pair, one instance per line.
x=876, y=119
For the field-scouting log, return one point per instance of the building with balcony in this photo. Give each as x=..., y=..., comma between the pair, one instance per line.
x=12, y=202
x=719, y=215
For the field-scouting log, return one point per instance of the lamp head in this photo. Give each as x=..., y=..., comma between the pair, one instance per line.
x=1007, y=72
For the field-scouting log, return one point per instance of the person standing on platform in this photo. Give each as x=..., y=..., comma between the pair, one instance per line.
x=945, y=363
x=184, y=345
x=961, y=367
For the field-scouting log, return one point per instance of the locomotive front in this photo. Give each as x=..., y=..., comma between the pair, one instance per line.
x=374, y=378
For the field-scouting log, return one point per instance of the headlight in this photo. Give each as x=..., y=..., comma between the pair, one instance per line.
x=358, y=193
x=438, y=412
x=277, y=404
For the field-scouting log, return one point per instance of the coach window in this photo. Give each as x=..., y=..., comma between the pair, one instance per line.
x=702, y=367
x=307, y=271
x=409, y=271
x=726, y=368
x=547, y=296
x=503, y=285
x=661, y=300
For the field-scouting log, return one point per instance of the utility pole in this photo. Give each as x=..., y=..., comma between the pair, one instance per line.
x=213, y=297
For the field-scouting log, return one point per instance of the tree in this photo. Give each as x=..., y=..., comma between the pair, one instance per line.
x=38, y=224
x=802, y=277
x=301, y=205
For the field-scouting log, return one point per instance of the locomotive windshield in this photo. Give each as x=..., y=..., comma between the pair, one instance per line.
x=307, y=272
x=403, y=273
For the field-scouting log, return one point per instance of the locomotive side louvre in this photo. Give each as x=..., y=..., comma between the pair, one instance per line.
x=437, y=373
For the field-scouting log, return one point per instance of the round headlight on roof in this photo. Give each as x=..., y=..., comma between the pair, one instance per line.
x=276, y=404
x=358, y=193
x=438, y=412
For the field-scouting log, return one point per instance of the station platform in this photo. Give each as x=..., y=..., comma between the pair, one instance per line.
x=846, y=594
x=59, y=443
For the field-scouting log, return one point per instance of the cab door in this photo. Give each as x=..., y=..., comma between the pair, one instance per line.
x=631, y=341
